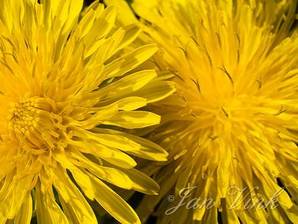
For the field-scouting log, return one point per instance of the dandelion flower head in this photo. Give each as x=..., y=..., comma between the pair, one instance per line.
x=68, y=90
x=233, y=123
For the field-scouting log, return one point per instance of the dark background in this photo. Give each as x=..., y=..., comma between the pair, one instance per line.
x=88, y=2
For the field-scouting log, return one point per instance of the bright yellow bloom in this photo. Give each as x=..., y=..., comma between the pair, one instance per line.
x=69, y=85
x=231, y=130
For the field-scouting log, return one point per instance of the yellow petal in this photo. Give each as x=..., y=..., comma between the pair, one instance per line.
x=114, y=204
x=131, y=103
x=111, y=155
x=74, y=203
x=61, y=15
x=84, y=182
x=148, y=9
x=47, y=209
x=129, y=61
x=134, y=119
x=156, y=91
x=25, y=214
x=147, y=150
x=131, y=33
x=116, y=141
x=126, y=16
x=141, y=182
x=109, y=174
x=13, y=194
x=125, y=86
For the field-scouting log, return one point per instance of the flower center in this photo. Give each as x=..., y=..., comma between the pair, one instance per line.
x=24, y=117
x=35, y=125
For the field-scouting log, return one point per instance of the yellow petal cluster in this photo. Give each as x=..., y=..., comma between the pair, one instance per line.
x=232, y=127
x=71, y=85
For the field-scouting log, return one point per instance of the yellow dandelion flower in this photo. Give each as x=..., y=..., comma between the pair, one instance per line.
x=231, y=130
x=70, y=86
